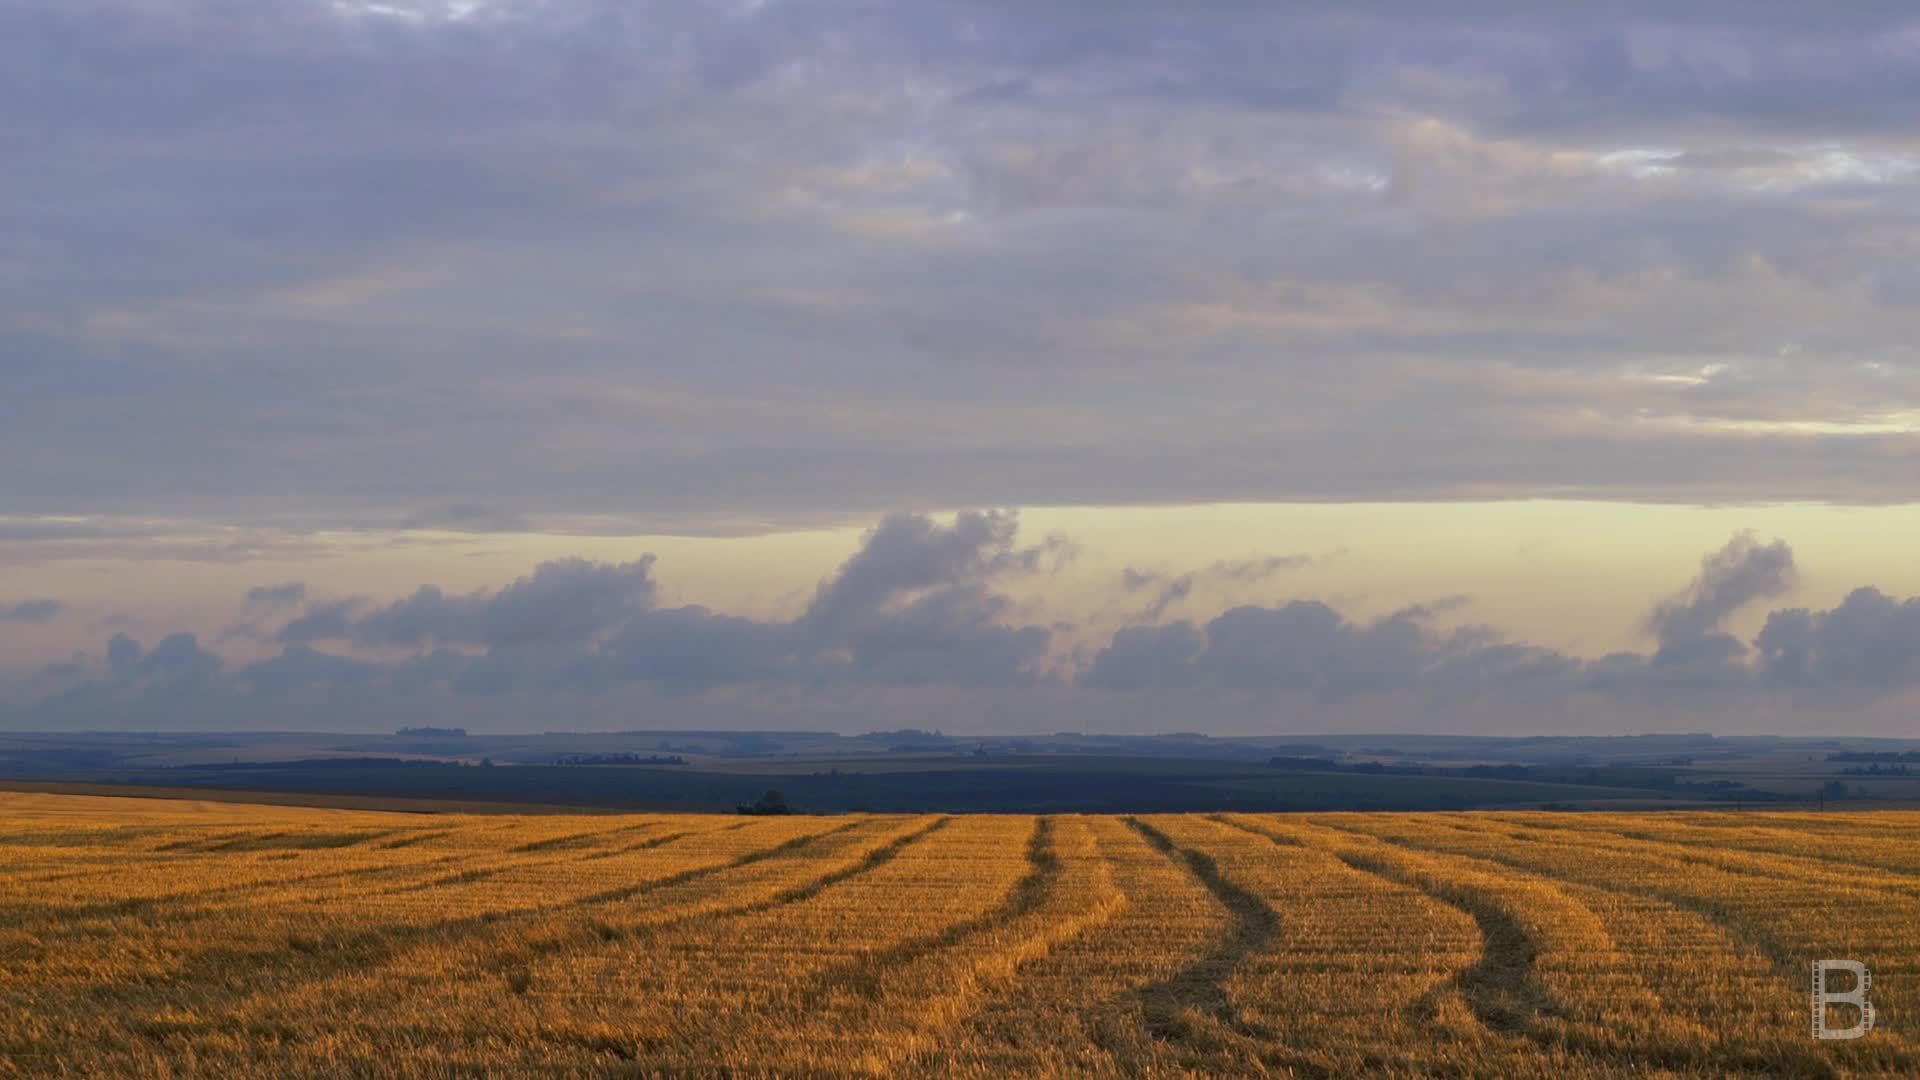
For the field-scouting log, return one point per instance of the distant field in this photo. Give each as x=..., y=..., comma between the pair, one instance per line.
x=907, y=784
x=157, y=937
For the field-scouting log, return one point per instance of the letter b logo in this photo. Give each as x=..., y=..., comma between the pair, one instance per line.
x=1824, y=995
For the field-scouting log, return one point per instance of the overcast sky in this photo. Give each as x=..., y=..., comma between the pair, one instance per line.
x=549, y=363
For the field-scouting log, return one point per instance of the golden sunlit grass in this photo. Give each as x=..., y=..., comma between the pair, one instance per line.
x=152, y=937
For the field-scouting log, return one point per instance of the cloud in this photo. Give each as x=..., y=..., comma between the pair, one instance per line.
x=176, y=667
x=1642, y=254
x=1731, y=578
x=123, y=652
x=1302, y=646
x=951, y=636
x=917, y=619
x=564, y=602
x=300, y=669
x=320, y=622
x=907, y=555
x=1307, y=648
x=261, y=604
x=469, y=517
x=690, y=649
x=32, y=611
x=915, y=605
x=1168, y=590
x=30, y=540
x=268, y=599
x=1140, y=657
x=1868, y=645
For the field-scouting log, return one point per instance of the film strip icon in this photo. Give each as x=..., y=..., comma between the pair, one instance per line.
x=1824, y=995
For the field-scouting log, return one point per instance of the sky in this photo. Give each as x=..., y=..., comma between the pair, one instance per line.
x=997, y=367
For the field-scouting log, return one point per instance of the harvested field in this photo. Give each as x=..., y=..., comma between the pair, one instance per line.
x=155, y=937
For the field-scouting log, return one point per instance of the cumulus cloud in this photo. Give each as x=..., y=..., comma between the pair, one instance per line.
x=1308, y=648
x=907, y=556
x=332, y=619
x=300, y=668
x=1694, y=649
x=690, y=649
x=565, y=602
x=919, y=613
x=175, y=658
x=920, y=606
x=1147, y=656
x=1868, y=645
x=1303, y=647
x=916, y=605
x=1738, y=574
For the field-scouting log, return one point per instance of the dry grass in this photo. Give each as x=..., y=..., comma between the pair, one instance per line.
x=178, y=938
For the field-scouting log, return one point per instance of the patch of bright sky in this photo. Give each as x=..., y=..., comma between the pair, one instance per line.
x=444, y=11
x=1773, y=169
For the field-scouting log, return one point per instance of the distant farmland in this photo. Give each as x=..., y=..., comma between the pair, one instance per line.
x=146, y=936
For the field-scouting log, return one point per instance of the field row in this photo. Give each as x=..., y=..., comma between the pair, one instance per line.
x=153, y=937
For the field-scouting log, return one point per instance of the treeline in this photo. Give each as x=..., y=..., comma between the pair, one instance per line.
x=1617, y=776
x=316, y=763
x=1478, y=772
x=619, y=759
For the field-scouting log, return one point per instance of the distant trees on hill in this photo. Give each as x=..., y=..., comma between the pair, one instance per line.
x=773, y=802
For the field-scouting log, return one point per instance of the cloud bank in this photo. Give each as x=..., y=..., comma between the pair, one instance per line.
x=918, y=622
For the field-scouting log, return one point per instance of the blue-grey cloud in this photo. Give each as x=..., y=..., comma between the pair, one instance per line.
x=1303, y=646
x=469, y=517
x=1140, y=657
x=1738, y=574
x=689, y=649
x=39, y=610
x=263, y=602
x=916, y=604
x=1868, y=645
x=1306, y=647
x=569, y=601
x=329, y=620
x=267, y=599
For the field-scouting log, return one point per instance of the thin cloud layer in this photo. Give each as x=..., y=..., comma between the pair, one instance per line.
x=706, y=264
x=1164, y=590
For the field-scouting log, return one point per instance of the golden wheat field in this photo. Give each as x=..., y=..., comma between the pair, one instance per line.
x=153, y=937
